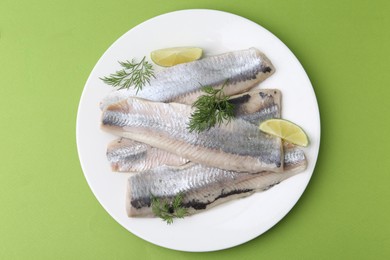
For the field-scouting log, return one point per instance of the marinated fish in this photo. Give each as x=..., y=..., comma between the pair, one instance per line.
x=182, y=83
x=258, y=105
x=237, y=146
x=126, y=155
x=203, y=187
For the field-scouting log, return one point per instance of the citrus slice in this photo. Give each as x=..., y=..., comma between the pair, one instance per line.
x=286, y=130
x=172, y=56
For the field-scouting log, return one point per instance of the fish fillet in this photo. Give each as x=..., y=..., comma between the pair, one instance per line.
x=257, y=106
x=203, y=187
x=182, y=83
x=125, y=155
x=237, y=146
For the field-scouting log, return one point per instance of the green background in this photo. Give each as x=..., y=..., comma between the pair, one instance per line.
x=47, y=50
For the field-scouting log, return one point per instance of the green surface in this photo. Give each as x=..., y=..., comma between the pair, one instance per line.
x=48, y=49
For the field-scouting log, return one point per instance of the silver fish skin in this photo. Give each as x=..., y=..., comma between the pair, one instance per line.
x=202, y=187
x=237, y=146
x=257, y=106
x=182, y=83
x=126, y=155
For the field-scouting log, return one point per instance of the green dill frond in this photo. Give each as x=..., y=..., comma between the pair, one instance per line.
x=211, y=109
x=167, y=209
x=136, y=74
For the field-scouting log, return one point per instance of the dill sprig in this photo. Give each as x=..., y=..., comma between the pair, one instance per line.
x=134, y=73
x=168, y=209
x=211, y=109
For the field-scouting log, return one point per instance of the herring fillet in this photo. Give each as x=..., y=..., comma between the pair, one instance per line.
x=203, y=187
x=125, y=155
x=182, y=83
x=237, y=146
x=258, y=105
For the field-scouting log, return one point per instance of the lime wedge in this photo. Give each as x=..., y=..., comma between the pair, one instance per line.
x=286, y=130
x=172, y=56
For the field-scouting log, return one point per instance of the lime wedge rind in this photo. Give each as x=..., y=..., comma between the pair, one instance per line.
x=285, y=129
x=172, y=56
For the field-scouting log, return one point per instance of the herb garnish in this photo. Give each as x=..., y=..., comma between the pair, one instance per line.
x=168, y=210
x=133, y=74
x=210, y=109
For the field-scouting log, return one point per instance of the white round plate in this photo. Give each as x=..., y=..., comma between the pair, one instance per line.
x=216, y=32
